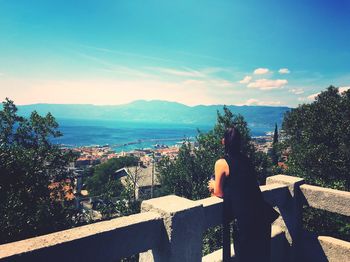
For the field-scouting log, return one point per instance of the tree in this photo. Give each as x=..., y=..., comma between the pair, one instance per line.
x=319, y=140
x=275, y=135
x=132, y=180
x=318, y=136
x=103, y=181
x=29, y=164
x=116, y=199
x=188, y=174
x=275, y=148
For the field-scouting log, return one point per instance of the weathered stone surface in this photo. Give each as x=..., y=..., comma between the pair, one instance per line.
x=290, y=181
x=327, y=199
x=170, y=204
x=335, y=249
x=183, y=223
x=105, y=241
x=171, y=227
x=291, y=211
x=275, y=194
x=212, y=207
x=324, y=248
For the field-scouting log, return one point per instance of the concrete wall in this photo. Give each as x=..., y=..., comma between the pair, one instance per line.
x=335, y=201
x=102, y=241
x=170, y=228
x=306, y=246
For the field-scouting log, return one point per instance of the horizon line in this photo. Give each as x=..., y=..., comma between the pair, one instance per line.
x=149, y=100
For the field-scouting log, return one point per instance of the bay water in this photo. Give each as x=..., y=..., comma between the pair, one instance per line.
x=126, y=136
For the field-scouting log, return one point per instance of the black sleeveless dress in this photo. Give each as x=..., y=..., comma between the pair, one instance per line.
x=244, y=203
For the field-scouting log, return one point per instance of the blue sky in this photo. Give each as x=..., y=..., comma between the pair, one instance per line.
x=192, y=52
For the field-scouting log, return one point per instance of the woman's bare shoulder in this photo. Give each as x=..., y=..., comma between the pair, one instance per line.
x=221, y=162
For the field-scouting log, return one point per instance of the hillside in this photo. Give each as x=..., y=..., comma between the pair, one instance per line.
x=156, y=111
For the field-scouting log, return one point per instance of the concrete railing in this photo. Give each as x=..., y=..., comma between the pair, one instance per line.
x=171, y=228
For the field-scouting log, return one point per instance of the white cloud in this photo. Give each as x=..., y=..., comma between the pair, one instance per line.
x=284, y=71
x=313, y=96
x=267, y=84
x=261, y=71
x=257, y=102
x=343, y=89
x=309, y=98
x=297, y=91
x=246, y=80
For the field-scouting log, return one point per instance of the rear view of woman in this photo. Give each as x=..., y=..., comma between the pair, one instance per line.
x=243, y=202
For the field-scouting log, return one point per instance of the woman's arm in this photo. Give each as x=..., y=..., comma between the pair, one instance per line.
x=219, y=177
x=216, y=186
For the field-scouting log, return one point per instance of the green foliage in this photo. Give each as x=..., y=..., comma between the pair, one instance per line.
x=326, y=223
x=319, y=138
x=188, y=175
x=103, y=180
x=274, y=154
x=275, y=135
x=115, y=199
x=212, y=240
x=319, y=141
x=29, y=162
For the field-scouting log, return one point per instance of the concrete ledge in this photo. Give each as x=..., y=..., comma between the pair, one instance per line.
x=212, y=207
x=170, y=229
x=183, y=226
x=292, y=182
x=170, y=204
x=335, y=249
x=102, y=241
x=275, y=194
x=332, y=200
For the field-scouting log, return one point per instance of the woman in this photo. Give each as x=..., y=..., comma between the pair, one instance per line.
x=243, y=202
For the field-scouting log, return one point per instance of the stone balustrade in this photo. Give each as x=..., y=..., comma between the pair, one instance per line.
x=170, y=228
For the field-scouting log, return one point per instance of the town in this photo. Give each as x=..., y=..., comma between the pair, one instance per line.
x=144, y=174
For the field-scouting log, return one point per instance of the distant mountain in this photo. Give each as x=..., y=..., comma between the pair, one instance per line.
x=157, y=111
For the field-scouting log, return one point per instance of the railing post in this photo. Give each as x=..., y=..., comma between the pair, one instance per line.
x=183, y=228
x=291, y=211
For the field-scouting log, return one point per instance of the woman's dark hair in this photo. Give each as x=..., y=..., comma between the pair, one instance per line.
x=232, y=141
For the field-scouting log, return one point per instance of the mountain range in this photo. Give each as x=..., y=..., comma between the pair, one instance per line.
x=158, y=111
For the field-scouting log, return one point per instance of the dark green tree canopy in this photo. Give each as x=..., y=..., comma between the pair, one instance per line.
x=103, y=180
x=274, y=152
x=275, y=135
x=29, y=162
x=319, y=139
x=188, y=175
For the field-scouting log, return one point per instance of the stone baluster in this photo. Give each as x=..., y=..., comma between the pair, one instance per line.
x=181, y=239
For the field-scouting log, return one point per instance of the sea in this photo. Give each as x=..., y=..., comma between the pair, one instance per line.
x=127, y=136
